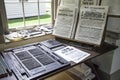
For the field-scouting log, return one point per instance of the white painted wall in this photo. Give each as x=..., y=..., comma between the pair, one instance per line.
x=109, y=62
x=104, y=62
x=116, y=58
x=113, y=24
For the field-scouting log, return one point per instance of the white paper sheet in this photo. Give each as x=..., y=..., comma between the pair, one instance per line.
x=70, y=53
x=65, y=22
x=91, y=24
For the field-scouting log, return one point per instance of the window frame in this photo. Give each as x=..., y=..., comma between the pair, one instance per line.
x=4, y=20
x=54, y=4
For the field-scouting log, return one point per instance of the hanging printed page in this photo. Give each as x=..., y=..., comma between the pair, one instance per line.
x=74, y=3
x=91, y=24
x=90, y=2
x=65, y=22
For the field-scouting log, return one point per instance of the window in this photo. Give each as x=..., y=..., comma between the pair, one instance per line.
x=28, y=13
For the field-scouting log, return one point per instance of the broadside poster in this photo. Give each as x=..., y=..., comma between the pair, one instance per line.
x=70, y=3
x=91, y=24
x=65, y=22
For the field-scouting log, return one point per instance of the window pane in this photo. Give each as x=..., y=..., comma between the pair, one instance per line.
x=28, y=13
x=14, y=13
x=32, y=0
x=11, y=0
x=31, y=13
x=45, y=11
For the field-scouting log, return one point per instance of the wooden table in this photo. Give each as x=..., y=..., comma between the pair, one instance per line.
x=93, y=50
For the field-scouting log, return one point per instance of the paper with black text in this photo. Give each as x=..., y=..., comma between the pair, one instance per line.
x=65, y=21
x=74, y=3
x=91, y=24
x=70, y=53
x=90, y=2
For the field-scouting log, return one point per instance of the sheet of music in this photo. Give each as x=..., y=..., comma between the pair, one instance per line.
x=65, y=22
x=90, y=2
x=91, y=24
x=114, y=6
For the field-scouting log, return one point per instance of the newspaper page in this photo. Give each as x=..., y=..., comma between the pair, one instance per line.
x=65, y=22
x=74, y=3
x=70, y=53
x=114, y=6
x=91, y=25
x=90, y=2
